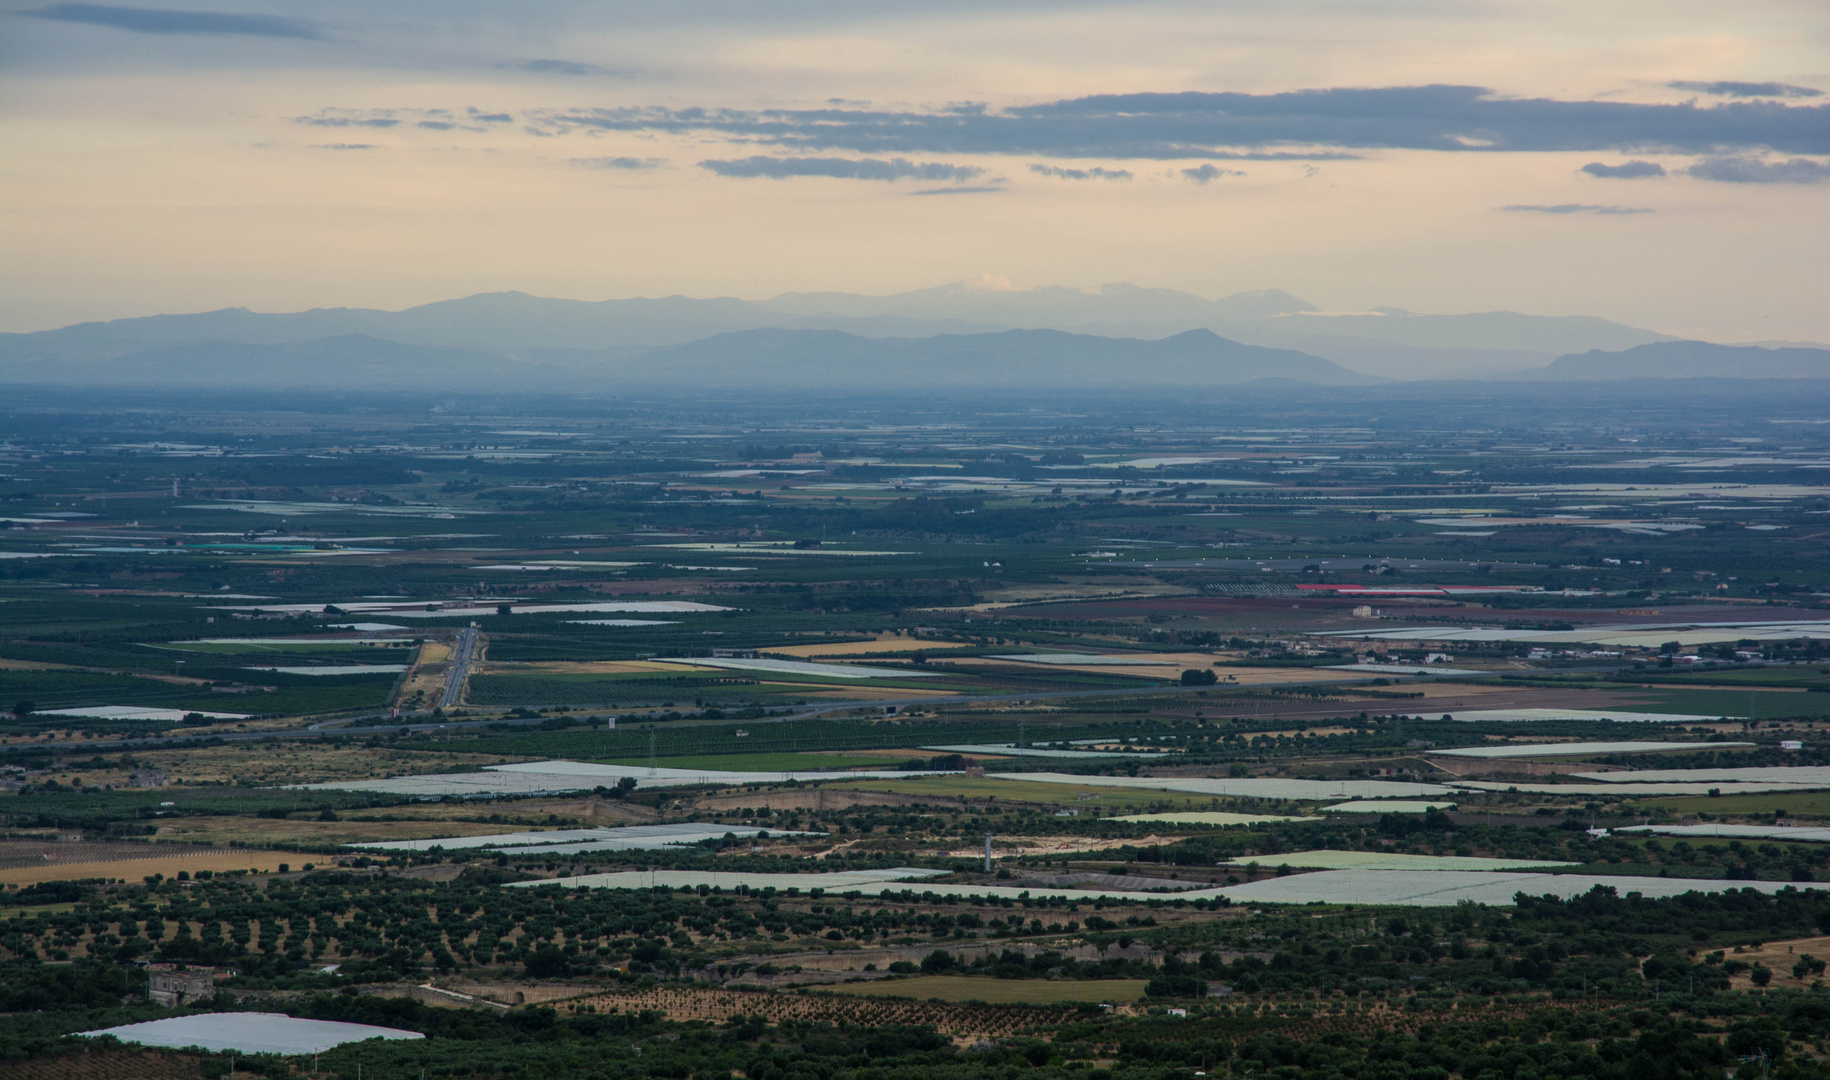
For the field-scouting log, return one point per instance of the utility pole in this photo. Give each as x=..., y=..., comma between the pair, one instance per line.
x=651, y=771
x=988, y=853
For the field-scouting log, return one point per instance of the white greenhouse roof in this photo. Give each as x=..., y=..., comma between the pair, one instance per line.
x=1450, y=887
x=1259, y=787
x=1391, y=860
x=1781, y=833
x=1393, y=806
x=1809, y=775
x=251, y=1033
x=565, y=841
x=1636, y=791
x=538, y=777
x=1400, y=888
x=1575, y=749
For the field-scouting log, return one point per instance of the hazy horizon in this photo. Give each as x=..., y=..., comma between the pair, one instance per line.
x=983, y=286
x=1662, y=166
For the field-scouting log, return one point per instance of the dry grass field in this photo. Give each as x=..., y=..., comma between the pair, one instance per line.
x=157, y=862
x=301, y=762
x=962, y=1022
x=1778, y=957
x=222, y=829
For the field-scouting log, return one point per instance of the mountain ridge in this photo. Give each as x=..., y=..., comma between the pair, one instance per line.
x=1688, y=360
x=1385, y=342
x=760, y=359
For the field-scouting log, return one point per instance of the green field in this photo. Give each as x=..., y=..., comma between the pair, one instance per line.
x=1000, y=991
x=1813, y=804
x=1763, y=705
x=233, y=648
x=294, y=694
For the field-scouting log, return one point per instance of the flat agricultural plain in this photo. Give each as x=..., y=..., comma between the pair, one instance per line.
x=1201, y=855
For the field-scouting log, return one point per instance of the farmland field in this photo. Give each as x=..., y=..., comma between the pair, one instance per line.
x=959, y=988
x=1095, y=892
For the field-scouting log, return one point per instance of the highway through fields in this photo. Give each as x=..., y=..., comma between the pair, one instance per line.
x=461, y=656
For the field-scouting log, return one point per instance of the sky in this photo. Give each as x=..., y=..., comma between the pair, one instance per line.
x=1664, y=163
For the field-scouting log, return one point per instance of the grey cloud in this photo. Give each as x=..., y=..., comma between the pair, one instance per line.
x=165, y=21
x=429, y=119
x=1207, y=173
x=560, y=67
x=344, y=146
x=1308, y=124
x=1747, y=89
x=776, y=168
x=1575, y=208
x=615, y=162
x=339, y=118
x=1095, y=173
x=982, y=189
x=1747, y=170
x=1630, y=170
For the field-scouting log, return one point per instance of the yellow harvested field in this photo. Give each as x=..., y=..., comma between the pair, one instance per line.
x=249, y=830
x=885, y=644
x=35, y=665
x=169, y=865
x=1169, y=666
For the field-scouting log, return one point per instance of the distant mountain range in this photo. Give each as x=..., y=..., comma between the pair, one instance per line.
x=953, y=336
x=1690, y=360
x=1045, y=360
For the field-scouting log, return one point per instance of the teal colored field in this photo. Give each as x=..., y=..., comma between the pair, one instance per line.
x=1761, y=705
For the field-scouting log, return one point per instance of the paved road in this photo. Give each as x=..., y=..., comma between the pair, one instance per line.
x=461, y=655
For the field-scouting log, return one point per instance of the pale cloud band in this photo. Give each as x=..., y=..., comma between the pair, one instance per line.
x=167, y=21
x=1750, y=170
x=1574, y=208
x=1629, y=170
x=774, y=168
x=1747, y=89
x=1460, y=119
